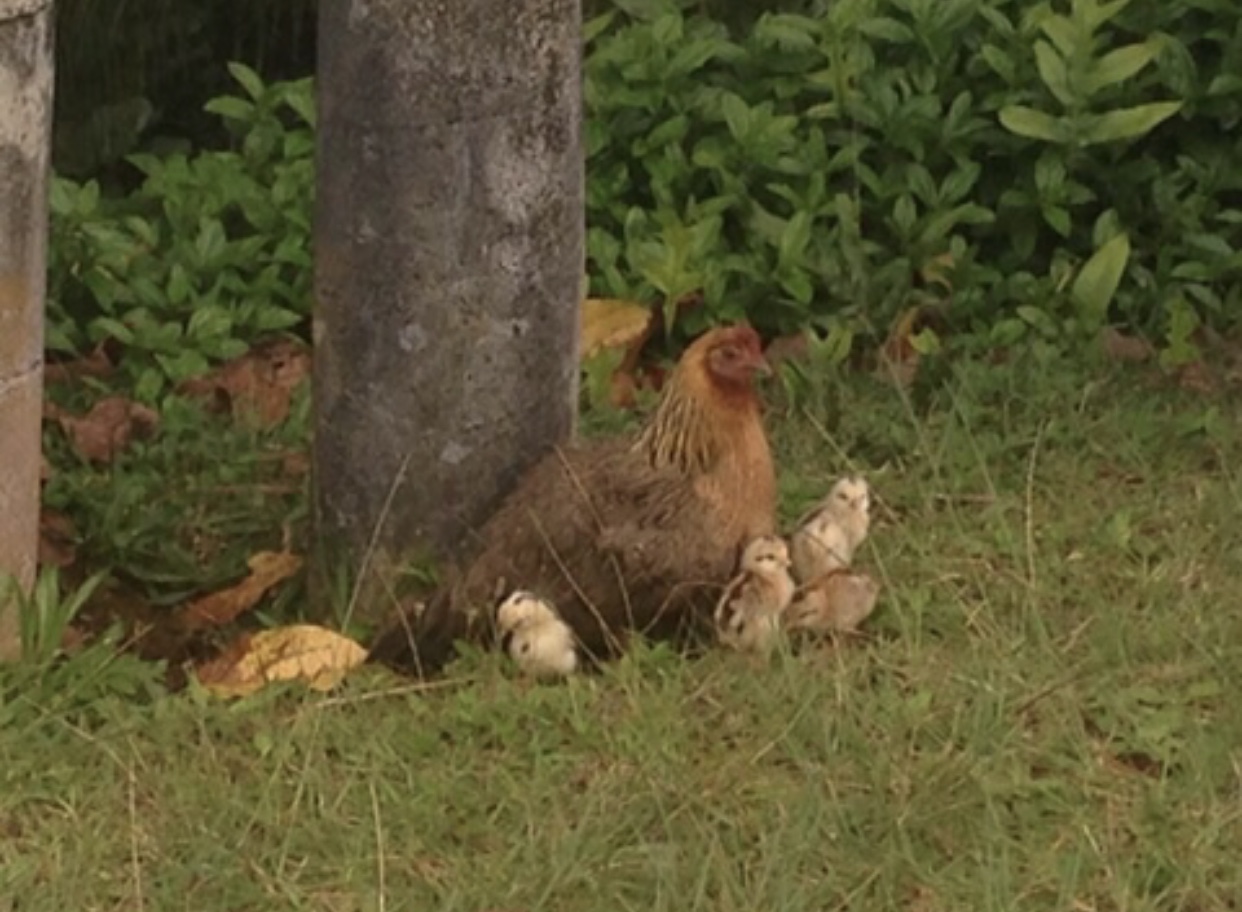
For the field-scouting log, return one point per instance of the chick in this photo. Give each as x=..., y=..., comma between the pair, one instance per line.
x=538, y=641
x=836, y=602
x=748, y=615
x=828, y=536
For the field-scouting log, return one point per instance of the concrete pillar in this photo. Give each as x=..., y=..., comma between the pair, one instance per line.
x=449, y=259
x=25, y=137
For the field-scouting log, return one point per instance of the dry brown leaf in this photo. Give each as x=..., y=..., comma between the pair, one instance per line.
x=304, y=652
x=57, y=537
x=612, y=323
x=898, y=356
x=267, y=568
x=96, y=364
x=295, y=464
x=1119, y=346
x=1197, y=377
x=787, y=348
x=938, y=270
x=258, y=386
x=107, y=429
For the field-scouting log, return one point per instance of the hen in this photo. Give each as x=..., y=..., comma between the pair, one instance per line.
x=622, y=535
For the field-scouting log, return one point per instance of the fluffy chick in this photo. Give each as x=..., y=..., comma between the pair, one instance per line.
x=539, y=642
x=748, y=615
x=836, y=602
x=828, y=536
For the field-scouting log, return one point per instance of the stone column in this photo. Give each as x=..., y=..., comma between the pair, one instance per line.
x=25, y=137
x=449, y=260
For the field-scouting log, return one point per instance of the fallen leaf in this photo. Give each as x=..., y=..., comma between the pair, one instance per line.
x=96, y=364
x=793, y=347
x=938, y=271
x=57, y=539
x=296, y=463
x=304, y=652
x=258, y=386
x=613, y=323
x=1197, y=377
x=899, y=355
x=1119, y=346
x=267, y=568
x=107, y=429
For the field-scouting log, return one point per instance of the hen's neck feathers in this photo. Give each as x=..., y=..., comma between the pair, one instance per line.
x=697, y=420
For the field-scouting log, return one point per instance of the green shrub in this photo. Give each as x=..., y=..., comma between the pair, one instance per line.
x=1042, y=169
x=1034, y=170
x=212, y=250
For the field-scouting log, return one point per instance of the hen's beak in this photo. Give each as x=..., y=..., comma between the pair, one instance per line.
x=759, y=364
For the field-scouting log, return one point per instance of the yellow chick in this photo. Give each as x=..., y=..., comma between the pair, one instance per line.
x=828, y=536
x=748, y=615
x=539, y=642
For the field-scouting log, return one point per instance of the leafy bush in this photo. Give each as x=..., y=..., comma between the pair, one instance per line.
x=212, y=251
x=1034, y=170
x=1047, y=170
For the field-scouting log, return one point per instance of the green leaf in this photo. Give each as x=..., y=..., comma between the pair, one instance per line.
x=1000, y=62
x=210, y=242
x=736, y=114
x=1097, y=281
x=1092, y=13
x=208, y=321
x=1039, y=319
x=179, y=286
x=1118, y=66
x=1225, y=84
x=799, y=286
x=1059, y=218
x=595, y=27
x=787, y=30
x=794, y=240
x=230, y=108
x=108, y=328
x=1033, y=124
x=248, y=79
x=959, y=183
x=667, y=30
x=1126, y=123
x=904, y=214
x=887, y=29
x=1062, y=33
x=1053, y=72
x=183, y=365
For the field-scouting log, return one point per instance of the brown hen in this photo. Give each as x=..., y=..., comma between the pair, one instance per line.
x=622, y=535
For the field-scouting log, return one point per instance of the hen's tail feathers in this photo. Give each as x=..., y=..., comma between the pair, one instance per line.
x=424, y=643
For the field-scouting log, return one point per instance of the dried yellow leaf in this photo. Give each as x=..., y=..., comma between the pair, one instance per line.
x=304, y=652
x=611, y=323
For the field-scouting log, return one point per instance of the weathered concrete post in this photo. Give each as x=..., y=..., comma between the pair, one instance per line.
x=449, y=257
x=25, y=137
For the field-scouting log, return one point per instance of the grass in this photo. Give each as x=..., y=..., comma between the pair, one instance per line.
x=1043, y=716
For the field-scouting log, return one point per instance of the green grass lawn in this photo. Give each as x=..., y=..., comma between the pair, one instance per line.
x=1046, y=714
